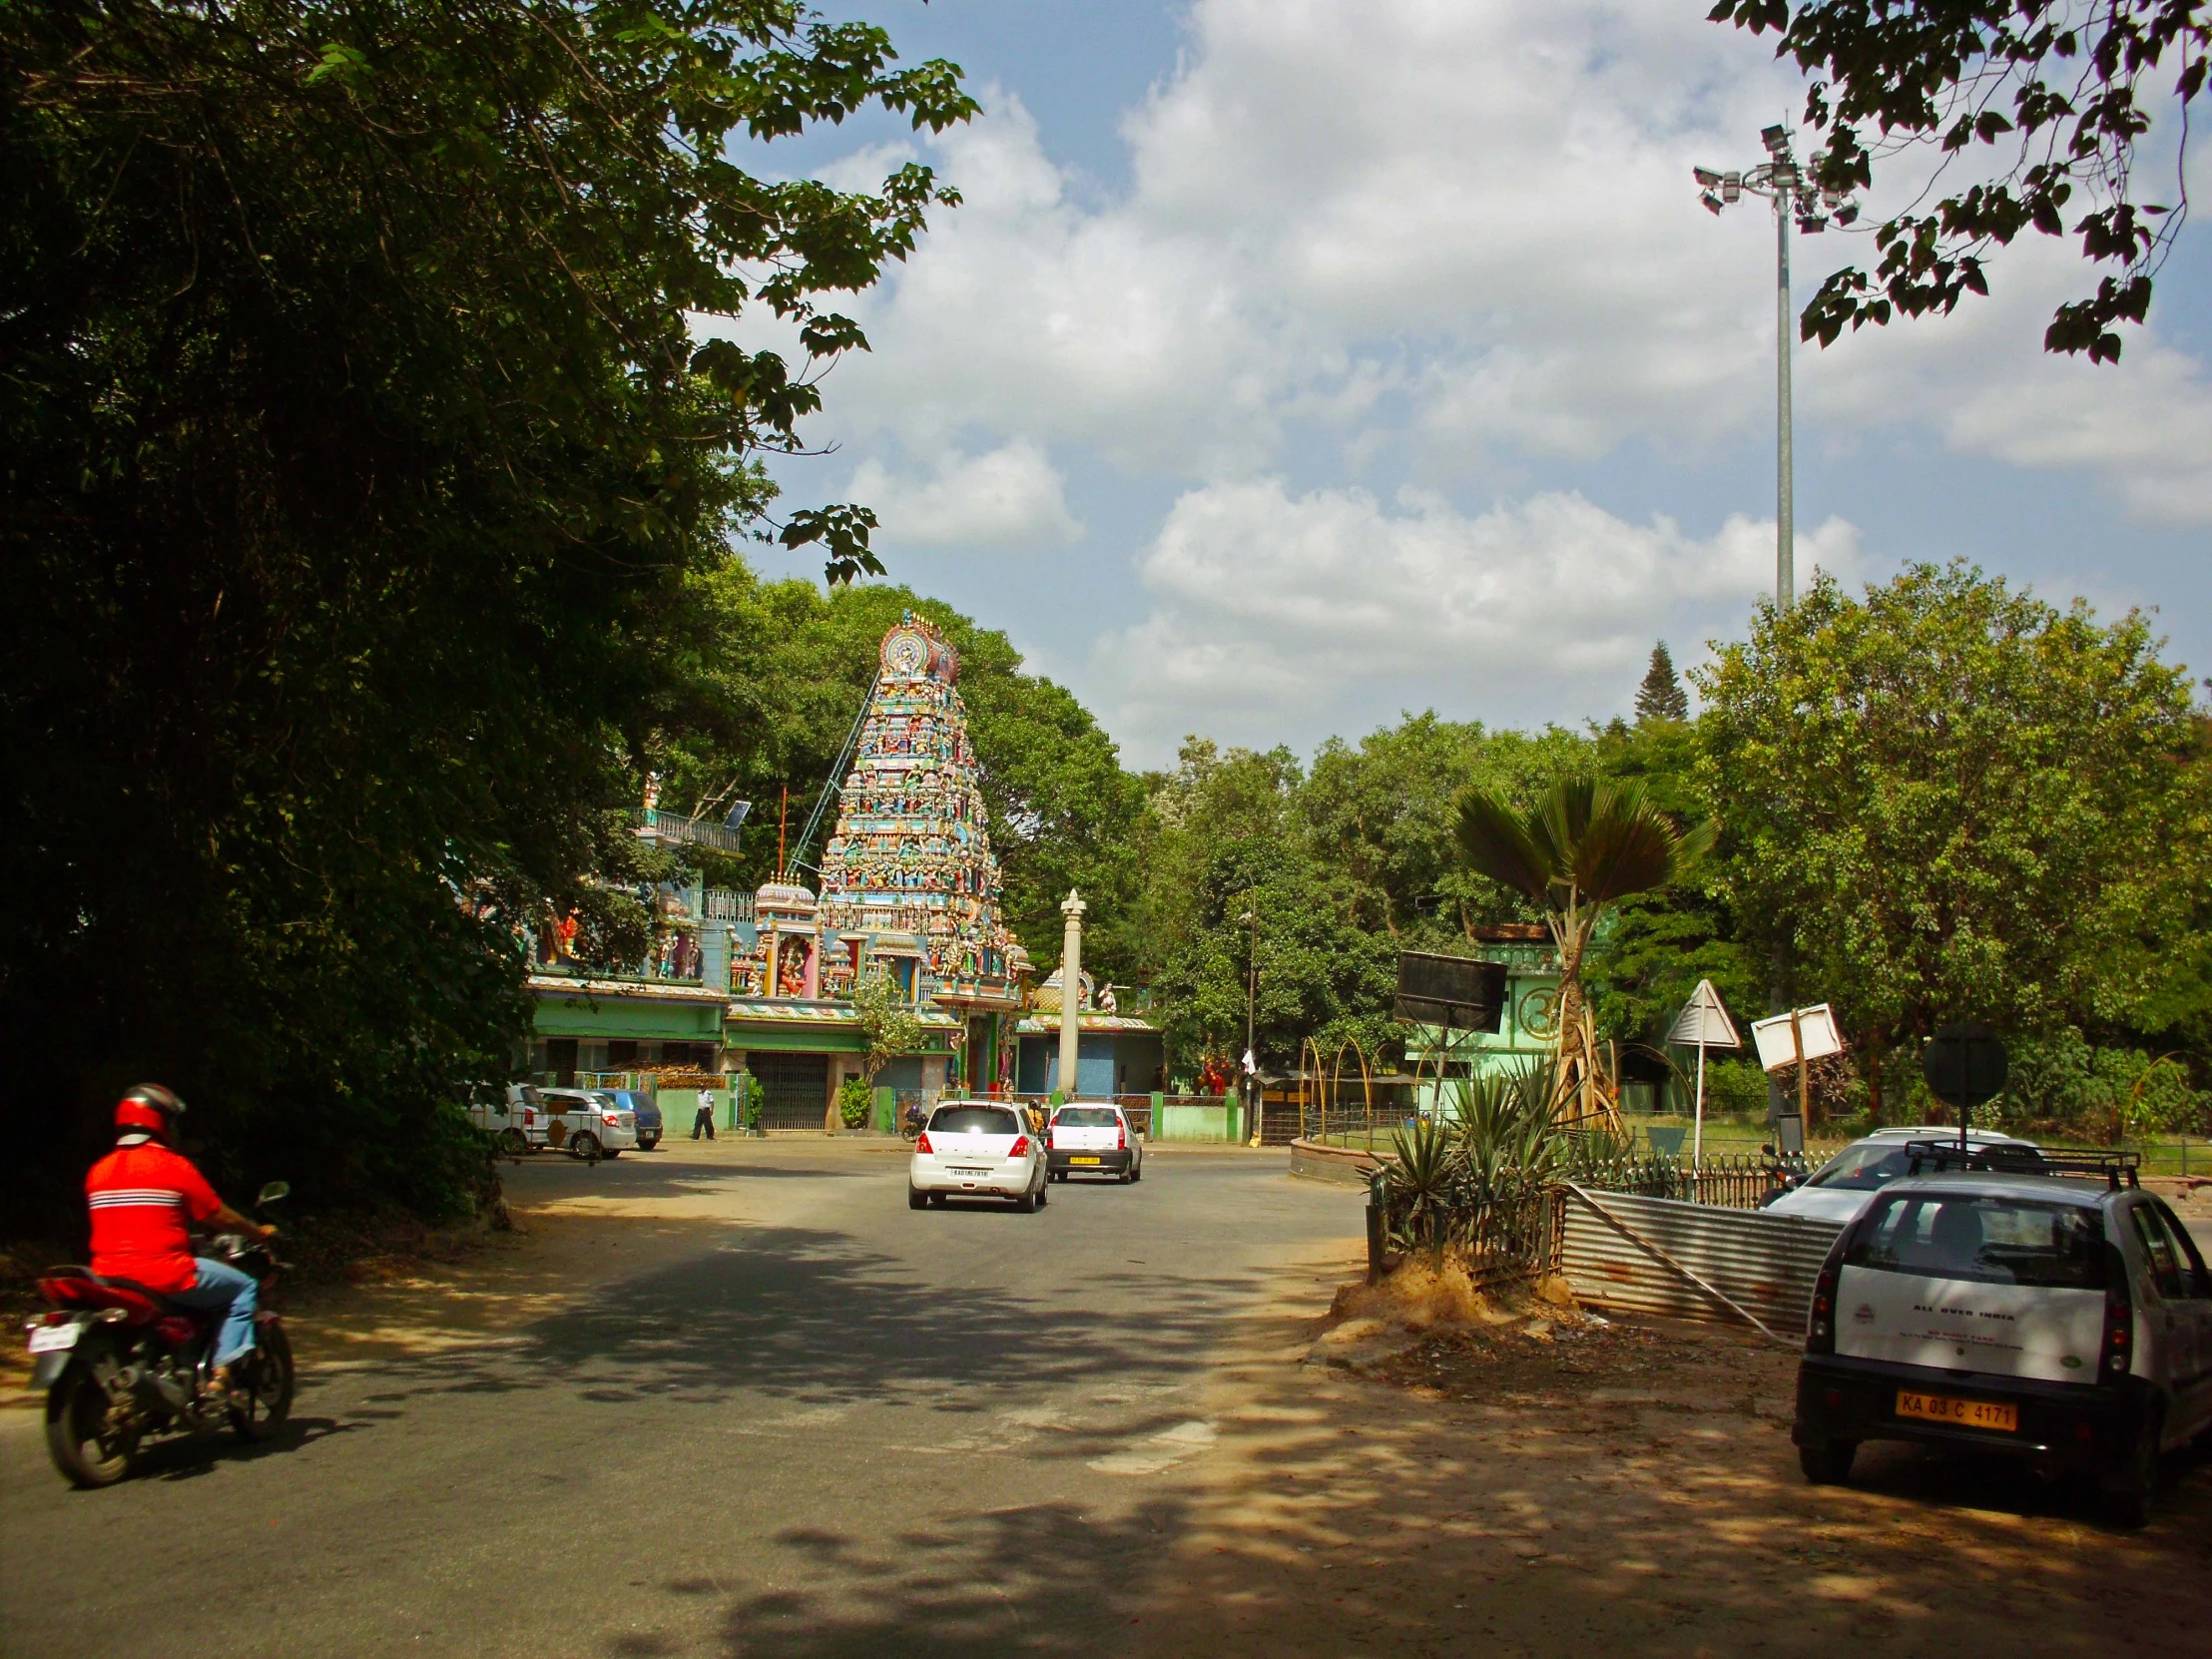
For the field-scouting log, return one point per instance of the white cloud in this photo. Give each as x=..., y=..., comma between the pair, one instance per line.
x=1009, y=498
x=1446, y=238
x=1271, y=608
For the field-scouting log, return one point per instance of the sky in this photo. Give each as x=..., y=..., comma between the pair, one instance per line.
x=1292, y=364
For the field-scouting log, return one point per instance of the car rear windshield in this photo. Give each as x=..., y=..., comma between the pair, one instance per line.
x=975, y=1120
x=1087, y=1117
x=1988, y=1238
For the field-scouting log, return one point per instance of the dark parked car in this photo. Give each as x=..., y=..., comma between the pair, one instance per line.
x=647, y=1111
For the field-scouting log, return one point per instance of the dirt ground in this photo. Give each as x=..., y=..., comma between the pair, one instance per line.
x=1556, y=1485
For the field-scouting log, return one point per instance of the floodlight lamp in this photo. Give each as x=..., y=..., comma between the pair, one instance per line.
x=1705, y=176
x=1712, y=203
x=1732, y=188
x=1847, y=212
x=1776, y=139
x=1811, y=225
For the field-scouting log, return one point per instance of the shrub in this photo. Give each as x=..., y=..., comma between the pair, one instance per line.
x=854, y=1098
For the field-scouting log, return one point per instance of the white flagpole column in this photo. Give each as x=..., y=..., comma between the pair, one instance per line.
x=1071, y=991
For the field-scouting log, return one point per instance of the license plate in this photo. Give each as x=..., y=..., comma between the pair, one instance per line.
x=971, y=1174
x=1082, y=1160
x=47, y=1338
x=1971, y=1413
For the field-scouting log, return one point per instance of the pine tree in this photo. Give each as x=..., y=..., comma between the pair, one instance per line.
x=1661, y=696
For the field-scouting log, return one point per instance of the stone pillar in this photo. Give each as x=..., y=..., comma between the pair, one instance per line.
x=1071, y=991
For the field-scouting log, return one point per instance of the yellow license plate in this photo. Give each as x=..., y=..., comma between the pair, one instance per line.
x=1969, y=1414
x=1082, y=1160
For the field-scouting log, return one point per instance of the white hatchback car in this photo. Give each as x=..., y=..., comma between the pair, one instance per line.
x=976, y=1149
x=1846, y=1183
x=2057, y=1319
x=1092, y=1140
x=579, y=1122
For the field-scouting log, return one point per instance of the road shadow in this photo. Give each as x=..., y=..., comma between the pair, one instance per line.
x=1035, y=1579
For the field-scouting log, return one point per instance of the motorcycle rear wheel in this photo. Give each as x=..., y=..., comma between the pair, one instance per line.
x=80, y=1439
x=268, y=1379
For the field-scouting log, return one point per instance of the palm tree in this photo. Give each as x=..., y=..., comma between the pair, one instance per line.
x=1587, y=843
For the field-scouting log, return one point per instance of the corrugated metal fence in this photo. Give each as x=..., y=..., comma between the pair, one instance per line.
x=1617, y=1249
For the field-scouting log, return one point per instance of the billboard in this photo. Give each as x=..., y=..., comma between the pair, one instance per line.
x=1458, y=991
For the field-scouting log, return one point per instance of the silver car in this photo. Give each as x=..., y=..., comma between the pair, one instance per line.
x=580, y=1123
x=1846, y=1183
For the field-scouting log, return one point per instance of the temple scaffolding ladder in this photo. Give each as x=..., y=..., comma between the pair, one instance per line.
x=833, y=784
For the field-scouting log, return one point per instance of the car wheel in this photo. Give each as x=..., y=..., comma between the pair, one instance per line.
x=1125, y=1176
x=1136, y=1170
x=584, y=1144
x=2128, y=1490
x=916, y=1199
x=611, y=1152
x=1830, y=1465
x=1044, y=1194
x=513, y=1141
x=1027, y=1203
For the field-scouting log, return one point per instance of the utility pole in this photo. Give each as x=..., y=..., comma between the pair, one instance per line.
x=1252, y=998
x=1781, y=180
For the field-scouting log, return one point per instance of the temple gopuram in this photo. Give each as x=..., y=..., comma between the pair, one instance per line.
x=909, y=888
x=762, y=982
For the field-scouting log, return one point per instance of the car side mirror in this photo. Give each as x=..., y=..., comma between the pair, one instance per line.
x=274, y=1190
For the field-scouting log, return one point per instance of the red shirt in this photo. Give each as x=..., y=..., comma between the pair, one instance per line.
x=140, y=1197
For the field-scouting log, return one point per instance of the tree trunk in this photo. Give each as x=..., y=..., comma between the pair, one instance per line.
x=1874, y=1078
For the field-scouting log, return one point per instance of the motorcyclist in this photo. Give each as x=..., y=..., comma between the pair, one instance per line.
x=142, y=1195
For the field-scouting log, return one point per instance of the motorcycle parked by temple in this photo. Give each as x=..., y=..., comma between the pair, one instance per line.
x=119, y=1364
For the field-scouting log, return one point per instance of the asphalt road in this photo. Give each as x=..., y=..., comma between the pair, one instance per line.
x=761, y=1409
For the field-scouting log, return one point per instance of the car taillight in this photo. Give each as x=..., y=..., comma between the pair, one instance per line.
x=1820, y=1329
x=2118, y=1346
x=609, y=1120
x=1121, y=1139
x=1021, y=1148
x=921, y=1143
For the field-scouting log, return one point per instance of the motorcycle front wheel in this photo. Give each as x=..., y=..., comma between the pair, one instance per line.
x=85, y=1444
x=268, y=1378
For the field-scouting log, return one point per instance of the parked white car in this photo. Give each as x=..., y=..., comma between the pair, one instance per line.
x=976, y=1149
x=582, y=1124
x=2054, y=1318
x=514, y=1116
x=1846, y=1183
x=1086, y=1139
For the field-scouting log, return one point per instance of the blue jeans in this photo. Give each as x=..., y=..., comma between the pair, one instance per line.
x=223, y=1285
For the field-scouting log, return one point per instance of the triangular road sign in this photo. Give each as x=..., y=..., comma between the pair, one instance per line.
x=1704, y=1021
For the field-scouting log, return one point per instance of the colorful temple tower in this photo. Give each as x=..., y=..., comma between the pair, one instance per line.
x=909, y=888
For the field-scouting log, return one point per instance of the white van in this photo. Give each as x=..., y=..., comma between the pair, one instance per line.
x=2063, y=1316
x=515, y=1117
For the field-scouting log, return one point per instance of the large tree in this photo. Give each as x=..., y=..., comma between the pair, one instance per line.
x=2037, y=109
x=1951, y=800
x=356, y=450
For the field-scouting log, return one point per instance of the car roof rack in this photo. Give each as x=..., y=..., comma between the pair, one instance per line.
x=2108, y=1164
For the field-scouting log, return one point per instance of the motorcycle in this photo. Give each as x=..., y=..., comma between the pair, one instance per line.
x=120, y=1364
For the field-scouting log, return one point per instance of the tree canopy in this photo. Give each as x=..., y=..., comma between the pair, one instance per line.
x=1953, y=801
x=2041, y=103
x=357, y=458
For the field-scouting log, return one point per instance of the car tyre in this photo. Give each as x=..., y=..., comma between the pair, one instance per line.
x=513, y=1141
x=1027, y=1203
x=2128, y=1492
x=916, y=1199
x=611, y=1152
x=1044, y=1193
x=1136, y=1170
x=585, y=1145
x=1830, y=1465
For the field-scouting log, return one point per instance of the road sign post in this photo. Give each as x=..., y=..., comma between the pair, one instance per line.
x=1965, y=1067
x=1704, y=1021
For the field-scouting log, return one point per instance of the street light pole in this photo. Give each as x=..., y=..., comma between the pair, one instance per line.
x=1252, y=998
x=1780, y=181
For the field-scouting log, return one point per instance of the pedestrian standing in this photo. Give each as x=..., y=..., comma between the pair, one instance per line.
x=704, y=1118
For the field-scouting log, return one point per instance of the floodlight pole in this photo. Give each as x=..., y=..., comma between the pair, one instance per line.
x=1785, y=462
x=1781, y=180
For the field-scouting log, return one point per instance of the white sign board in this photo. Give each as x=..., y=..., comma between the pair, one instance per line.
x=1704, y=1021
x=1777, y=1048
